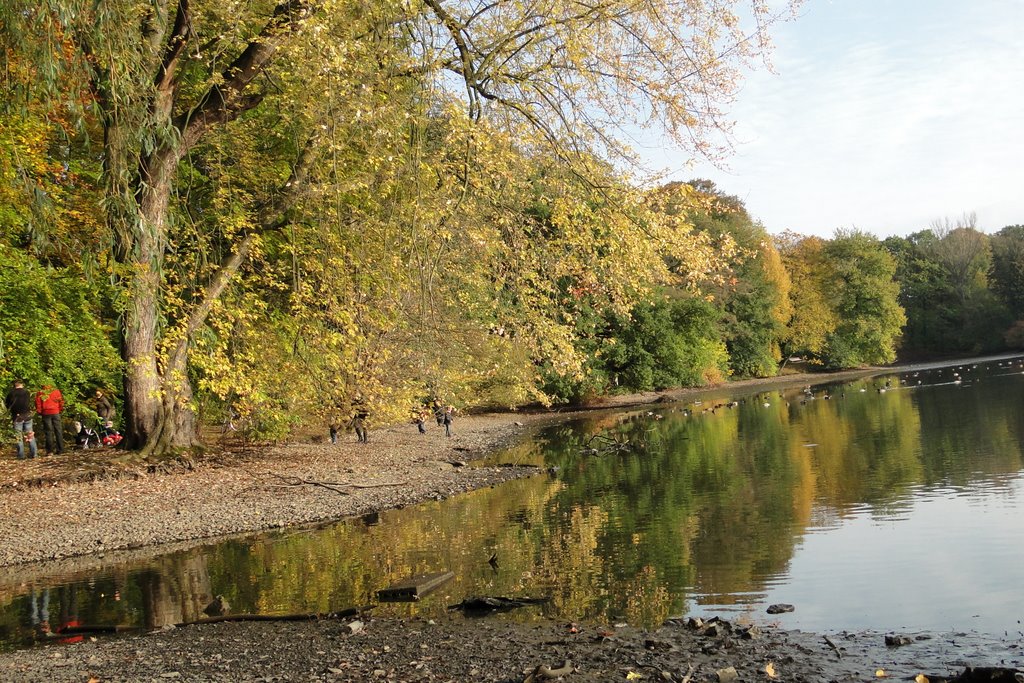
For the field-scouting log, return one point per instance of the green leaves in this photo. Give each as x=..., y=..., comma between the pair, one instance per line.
x=50, y=329
x=864, y=290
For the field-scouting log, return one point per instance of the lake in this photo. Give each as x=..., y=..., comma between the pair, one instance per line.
x=894, y=502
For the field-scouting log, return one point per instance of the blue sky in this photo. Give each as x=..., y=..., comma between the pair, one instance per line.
x=883, y=115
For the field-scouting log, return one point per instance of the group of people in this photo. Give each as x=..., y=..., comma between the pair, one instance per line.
x=48, y=404
x=445, y=416
x=357, y=421
x=360, y=414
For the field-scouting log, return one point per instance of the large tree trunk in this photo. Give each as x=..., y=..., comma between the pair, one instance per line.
x=138, y=350
x=158, y=399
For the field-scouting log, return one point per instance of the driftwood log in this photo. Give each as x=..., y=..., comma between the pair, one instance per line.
x=414, y=588
x=485, y=605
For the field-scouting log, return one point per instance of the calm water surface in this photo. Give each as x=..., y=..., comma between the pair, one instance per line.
x=895, y=502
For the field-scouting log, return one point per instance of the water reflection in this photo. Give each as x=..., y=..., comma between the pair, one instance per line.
x=882, y=503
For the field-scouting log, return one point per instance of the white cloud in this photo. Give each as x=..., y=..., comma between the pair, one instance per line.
x=885, y=119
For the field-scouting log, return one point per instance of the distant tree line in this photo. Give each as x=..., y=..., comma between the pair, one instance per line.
x=962, y=289
x=831, y=303
x=844, y=302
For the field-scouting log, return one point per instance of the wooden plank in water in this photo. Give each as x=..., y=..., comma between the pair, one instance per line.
x=412, y=589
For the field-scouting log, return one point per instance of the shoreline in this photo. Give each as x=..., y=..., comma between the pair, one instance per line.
x=86, y=505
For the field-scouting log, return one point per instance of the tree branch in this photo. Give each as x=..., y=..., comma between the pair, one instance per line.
x=271, y=217
x=175, y=47
x=225, y=100
x=457, y=31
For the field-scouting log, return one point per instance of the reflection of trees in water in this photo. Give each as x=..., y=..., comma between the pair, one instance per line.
x=175, y=590
x=972, y=431
x=717, y=500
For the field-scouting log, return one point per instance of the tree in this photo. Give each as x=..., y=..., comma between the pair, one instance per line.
x=932, y=308
x=862, y=286
x=813, y=317
x=671, y=342
x=975, y=316
x=50, y=330
x=1007, y=273
x=166, y=79
x=964, y=251
x=754, y=296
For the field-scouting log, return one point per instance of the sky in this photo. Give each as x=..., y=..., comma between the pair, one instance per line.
x=881, y=115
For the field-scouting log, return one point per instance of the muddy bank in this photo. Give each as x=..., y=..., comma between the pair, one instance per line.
x=488, y=649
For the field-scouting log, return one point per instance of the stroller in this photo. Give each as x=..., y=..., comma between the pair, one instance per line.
x=96, y=437
x=86, y=436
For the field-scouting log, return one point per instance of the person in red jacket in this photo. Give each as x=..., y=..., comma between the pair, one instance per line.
x=49, y=404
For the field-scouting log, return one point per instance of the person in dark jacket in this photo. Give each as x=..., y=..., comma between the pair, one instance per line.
x=103, y=406
x=50, y=404
x=360, y=414
x=448, y=418
x=19, y=403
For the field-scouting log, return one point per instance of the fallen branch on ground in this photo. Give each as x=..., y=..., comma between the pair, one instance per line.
x=833, y=646
x=377, y=486
x=289, y=481
x=313, y=616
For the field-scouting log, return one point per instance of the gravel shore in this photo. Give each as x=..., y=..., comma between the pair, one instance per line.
x=487, y=649
x=84, y=502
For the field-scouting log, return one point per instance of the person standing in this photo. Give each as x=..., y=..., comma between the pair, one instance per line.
x=103, y=407
x=19, y=403
x=50, y=404
x=449, y=417
x=359, y=417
